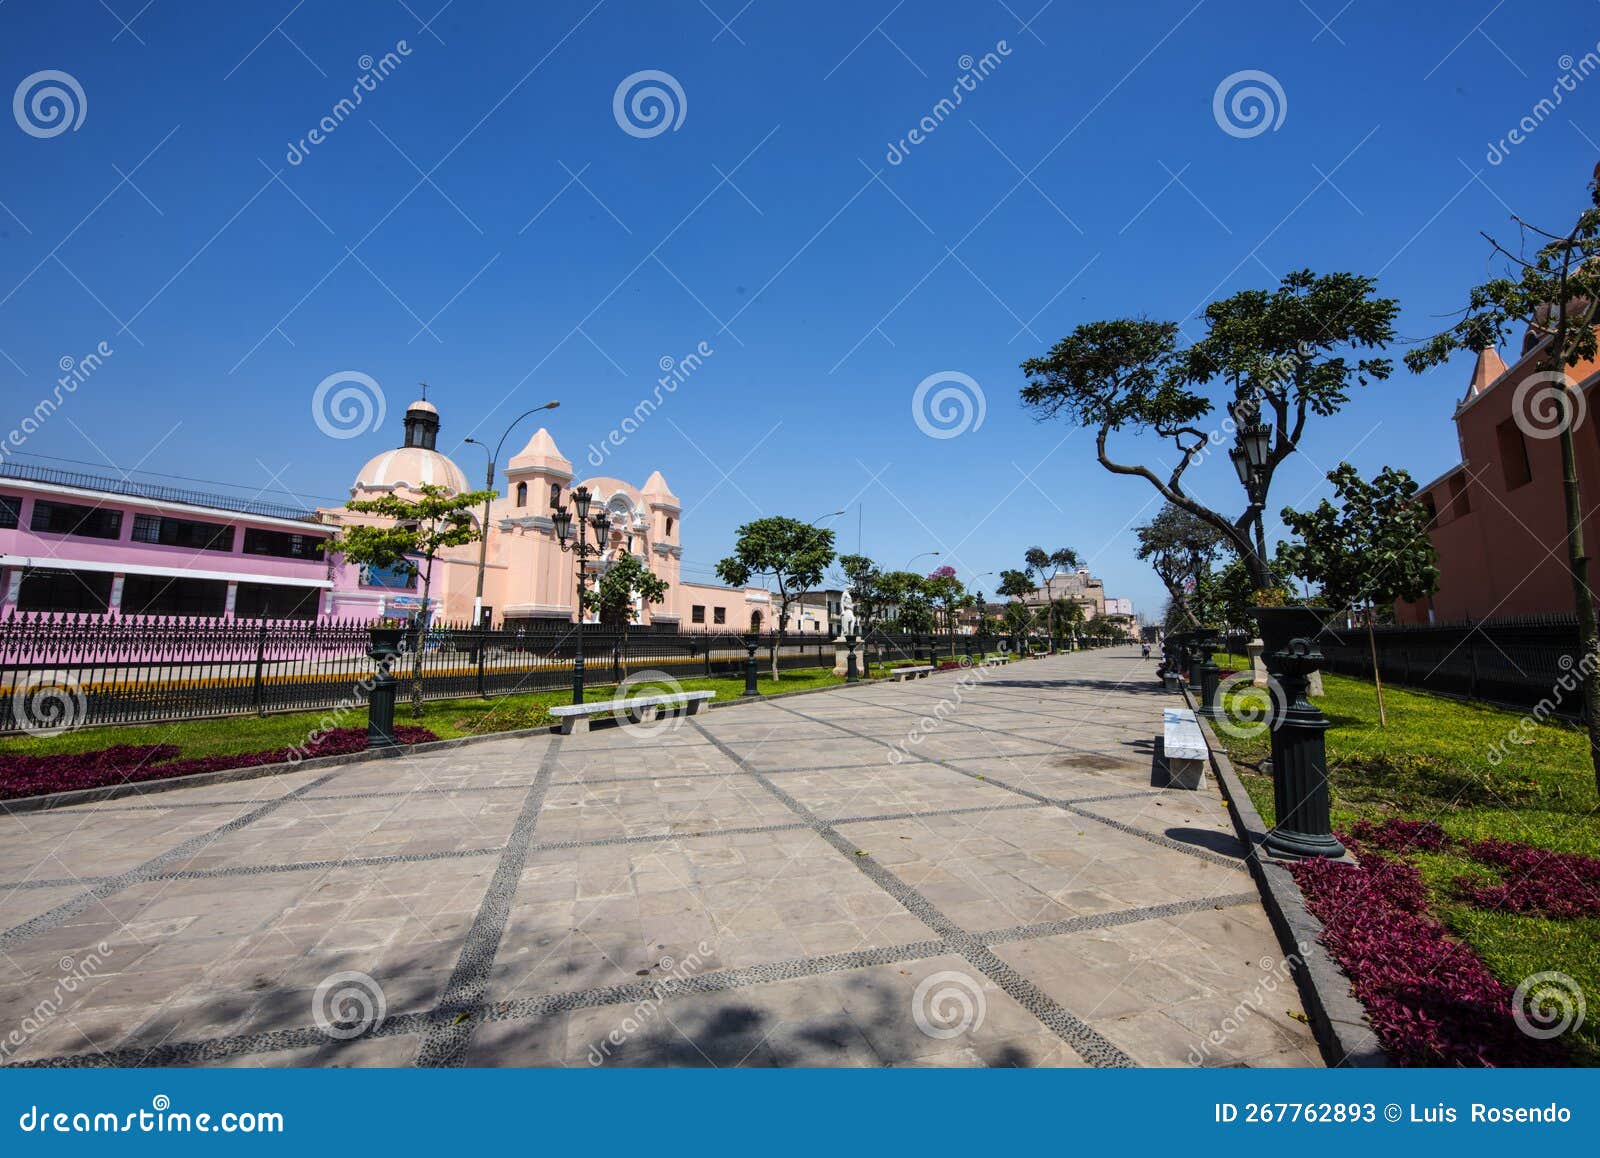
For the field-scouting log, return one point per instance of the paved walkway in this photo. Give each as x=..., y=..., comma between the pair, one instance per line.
x=965, y=870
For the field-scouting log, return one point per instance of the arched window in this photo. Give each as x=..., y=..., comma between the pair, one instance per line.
x=669, y=526
x=522, y=494
x=555, y=495
x=755, y=621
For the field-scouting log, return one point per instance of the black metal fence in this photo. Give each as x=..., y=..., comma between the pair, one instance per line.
x=96, y=670
x=1520, y=661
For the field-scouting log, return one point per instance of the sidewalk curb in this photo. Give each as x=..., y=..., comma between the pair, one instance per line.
x=1338, y=1020
x=29, y=804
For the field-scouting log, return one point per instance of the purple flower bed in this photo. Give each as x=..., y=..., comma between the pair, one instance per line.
x=1430, y=999
x=130, y=763
x=1534, y=881
x=1402, y=835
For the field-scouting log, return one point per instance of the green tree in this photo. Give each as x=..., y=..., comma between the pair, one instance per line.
x=1554, y=292
x=1368, y=551
x=1045, y=566
x=412, y=535
x=949, y=596
x=1180, y=548
x=865, y=583
x=625, y=582
x=1018, y=621
x=905, y=593
x=1279, y=355
x=789, y=554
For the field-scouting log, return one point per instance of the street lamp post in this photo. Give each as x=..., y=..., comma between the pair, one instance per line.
x=1301, y=800
x=583, y=549
x=483, y=538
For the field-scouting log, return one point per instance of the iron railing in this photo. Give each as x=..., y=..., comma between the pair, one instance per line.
x=125, y=669
x=1518, y=662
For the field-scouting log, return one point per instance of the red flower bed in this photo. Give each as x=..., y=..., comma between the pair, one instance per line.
x=1402, y=835
x=1430, y=999
x=1535, y=881
x=128, y=763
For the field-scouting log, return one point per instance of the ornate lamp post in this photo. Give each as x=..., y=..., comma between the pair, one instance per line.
x=1300, y=796
x=583, y=549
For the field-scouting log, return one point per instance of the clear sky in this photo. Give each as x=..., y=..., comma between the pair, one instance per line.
x=485, y=219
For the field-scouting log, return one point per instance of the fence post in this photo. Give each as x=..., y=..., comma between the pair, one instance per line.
x=481, y=631
x=1472, y=658
x=261, y=661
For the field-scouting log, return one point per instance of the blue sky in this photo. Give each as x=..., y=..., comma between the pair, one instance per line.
x=483, y=221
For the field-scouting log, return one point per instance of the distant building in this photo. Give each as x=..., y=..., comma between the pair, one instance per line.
x=1119, y=606
x=106, y=546
x=1078, y=586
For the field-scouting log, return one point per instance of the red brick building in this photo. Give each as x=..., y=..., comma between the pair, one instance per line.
x=1498, y=519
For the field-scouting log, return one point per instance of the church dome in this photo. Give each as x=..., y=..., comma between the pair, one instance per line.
x=408, y=468
x=415, y=464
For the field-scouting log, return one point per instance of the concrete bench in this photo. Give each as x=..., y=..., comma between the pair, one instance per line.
x=576, y=717
x=1184, y=747
x=902, y=674
x=996, y=660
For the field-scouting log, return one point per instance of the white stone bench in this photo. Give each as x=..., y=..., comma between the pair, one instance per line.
x=996, y=660
x=576, y=717
x=1184, y=747
x=902, y=674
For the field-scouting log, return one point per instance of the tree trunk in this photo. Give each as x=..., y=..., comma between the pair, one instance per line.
x=419, y=635
x=1583, y=601
x=1377, y=679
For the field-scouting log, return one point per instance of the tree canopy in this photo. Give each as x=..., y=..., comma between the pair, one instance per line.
x=1370, y=549
x=1282, y=355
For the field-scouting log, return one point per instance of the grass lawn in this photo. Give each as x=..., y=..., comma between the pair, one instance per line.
x=1433, y=762
x=447, y=719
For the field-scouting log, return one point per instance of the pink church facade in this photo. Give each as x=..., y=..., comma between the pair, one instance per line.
x=94, y=546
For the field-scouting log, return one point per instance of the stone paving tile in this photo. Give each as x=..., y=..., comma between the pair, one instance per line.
x=611, y=915
x=1014, y=868
x=1207, y=988
x=885, y=788
x=564, y=881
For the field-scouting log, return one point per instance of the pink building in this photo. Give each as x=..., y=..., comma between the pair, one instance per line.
x=71, y=543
